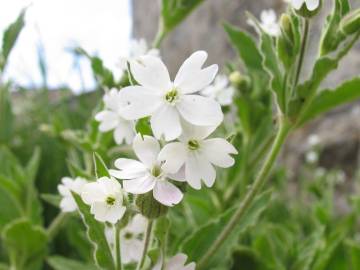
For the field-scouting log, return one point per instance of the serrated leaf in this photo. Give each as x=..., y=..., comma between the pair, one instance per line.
x=26, y=244
x=100, y=167
x=331, y=98
x=96, y=234
x=11, y=34
x=175, y=11
x=62, y=263
x=197, y=244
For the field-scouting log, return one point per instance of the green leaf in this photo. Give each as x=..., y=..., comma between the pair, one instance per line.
x=6, y=115
x=100, y=167
x=174, y=12
x=26, y=244
x=62, y=263
x=331, y=98
x=32, y=166
x=143, y=127
x=75, y=171
x=354, y=250
x=9, y=39
x=197, y=244
x=96, y=234
x=52, y=199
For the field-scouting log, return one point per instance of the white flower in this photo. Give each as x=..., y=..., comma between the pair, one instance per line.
x=110, y=119
x=220, y=90
x=312, y=157
x=268, y=22
x=175, y=263
x=166, y=101
x=105, y=198
x=194, y=155
x=147, y=174
x=310, y=4
x=130, y=239
x=138, y=48
x=313, y=140
x=69, y=185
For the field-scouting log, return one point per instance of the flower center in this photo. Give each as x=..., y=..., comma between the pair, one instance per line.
x=110, y=200
x=156, y=171
x=172, y=96
x=193, y=144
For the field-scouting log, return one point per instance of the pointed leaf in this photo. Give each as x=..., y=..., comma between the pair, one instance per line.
x=100, y=167
x=62, y=263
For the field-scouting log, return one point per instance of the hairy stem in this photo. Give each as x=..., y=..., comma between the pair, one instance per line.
x=281, y=136
x=117, y=248
x=146, y=244
x=56, y=224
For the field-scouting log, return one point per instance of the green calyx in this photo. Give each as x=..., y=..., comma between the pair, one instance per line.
x=149, y=207
x=306, y=13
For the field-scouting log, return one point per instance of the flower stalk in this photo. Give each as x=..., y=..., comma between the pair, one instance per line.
x=284, y=129
x=118, y=262
x=56, y=224
x=146, y=244
x=302, y=51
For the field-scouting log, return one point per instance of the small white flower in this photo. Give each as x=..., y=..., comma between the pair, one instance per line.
x=105, y=198
x=130, y=239
x=220, y=90
x=138, y=48
x=310, y=4
x=67, y=186
x=194, y=155
x=147, y=174
x=178, y=262
x=313, y=140
x=110, y=119
x=168, y=102
x=268, y=22
x=312, y=157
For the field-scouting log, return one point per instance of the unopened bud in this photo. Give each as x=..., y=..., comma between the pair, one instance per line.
x=350, y=24
x=286, y=28
x=239, y=80
x=149, y=207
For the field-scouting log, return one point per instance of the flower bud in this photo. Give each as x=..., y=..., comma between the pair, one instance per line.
x=350, y=24
x=286, y=28
x=239, y=80
x=149, y=207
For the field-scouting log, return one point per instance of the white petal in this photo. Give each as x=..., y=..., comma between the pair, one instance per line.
x=191, y=132
x=297, y=3
x=191, y=78
x=167, y=193
x=125, y=130
x=115, y=213
x=176, y=262
x=179, y=176
x=200, y=111
x=109, y=185
x=131, y=250
x=108, y=120
x=146, y=149
x=68, y=204
x=111, y=100
x=197, y=168
x=138, y=102
x=91, y=193
x=150, y=72
x=312, y=4
x=166, y=122
x=128, y=169
x=218, y=152
x=225, y=96
x=104, y=213
x=139, y=185
x=137, y=224
x=172, y=156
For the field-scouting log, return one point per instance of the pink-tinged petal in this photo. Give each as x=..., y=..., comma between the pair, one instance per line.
x=167, y=193
x=139, y=185
x=179, y=176
x=172, y=157
x=197, y=168
x=150, y=72
x=166, y=122
x=128, y=169
x=146, y=149
x=218, y=151
x=312, y=4
x=200, y=111
x=108, y=120
x=125, y=131
x=138, y=102
x=177, y=262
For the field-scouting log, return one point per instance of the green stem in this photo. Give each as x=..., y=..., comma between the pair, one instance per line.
x=56, y=224
x=117, y=248
x=302, y=51
x=146, y=244
x=281, y=136
x=160, y=35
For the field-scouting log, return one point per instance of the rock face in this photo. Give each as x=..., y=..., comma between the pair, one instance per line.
x=339, y=131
